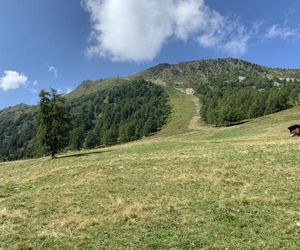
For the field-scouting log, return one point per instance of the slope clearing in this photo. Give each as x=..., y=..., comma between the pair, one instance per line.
x=235, y=187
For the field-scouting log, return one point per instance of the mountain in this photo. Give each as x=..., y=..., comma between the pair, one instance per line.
x=88, y=87
x=192, y=73
x=189, y=74
x=116, y=110
x=231, y=90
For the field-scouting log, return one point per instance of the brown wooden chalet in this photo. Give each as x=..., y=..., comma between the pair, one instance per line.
x=294, y=130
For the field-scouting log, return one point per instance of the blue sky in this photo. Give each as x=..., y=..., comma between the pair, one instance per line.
x=60, y=43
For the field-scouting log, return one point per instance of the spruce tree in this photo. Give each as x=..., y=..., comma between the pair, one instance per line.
x=53, y=122
x=44, y=121
x=110, y=137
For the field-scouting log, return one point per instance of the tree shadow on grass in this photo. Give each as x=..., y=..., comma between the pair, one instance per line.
x=237, y=123
x=80, y=154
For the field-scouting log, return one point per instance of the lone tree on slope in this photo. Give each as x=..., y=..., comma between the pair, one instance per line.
x=53, y=122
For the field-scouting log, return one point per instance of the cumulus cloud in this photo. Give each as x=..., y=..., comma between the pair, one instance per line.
x=224, y=33
x=54, y=70
x=136, y=30
x=12, y=80
x=283, y=32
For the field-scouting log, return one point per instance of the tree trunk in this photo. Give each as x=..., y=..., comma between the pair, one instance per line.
x=53, y=156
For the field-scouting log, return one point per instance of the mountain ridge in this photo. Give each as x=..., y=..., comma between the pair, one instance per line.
x=189, y=73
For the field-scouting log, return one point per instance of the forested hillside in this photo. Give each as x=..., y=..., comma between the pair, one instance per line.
x=117, y=110
x=119, y=113
x=17, y=129
x=232, y=90
x=226, y=101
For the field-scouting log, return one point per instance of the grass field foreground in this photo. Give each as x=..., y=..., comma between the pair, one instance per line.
x=213, y=188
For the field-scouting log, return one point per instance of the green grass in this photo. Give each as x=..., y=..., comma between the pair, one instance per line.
x=182, y=112
x=212, y=188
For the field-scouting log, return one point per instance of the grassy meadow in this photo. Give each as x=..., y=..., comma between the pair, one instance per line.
x=211, y=188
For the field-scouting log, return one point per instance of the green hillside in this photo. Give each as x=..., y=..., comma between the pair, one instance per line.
x=114, y=112
x=17, y=128
x=190, y=186
x=117, y=110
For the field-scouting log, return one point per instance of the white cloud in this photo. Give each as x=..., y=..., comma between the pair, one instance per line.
x=136, y=30
x=188, y=16
x=282, y=32
x=69, y=90
x=53, y=70
x=35, y=83
x=224, y=34
x=12, y=80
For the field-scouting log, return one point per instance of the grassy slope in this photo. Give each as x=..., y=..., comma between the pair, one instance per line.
x=232, y=187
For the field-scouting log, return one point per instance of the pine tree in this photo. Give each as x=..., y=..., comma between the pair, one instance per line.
x=77, y=138
x=123, y=136
x=90, y=140
x=43, y=130
x=53, y=122
x=110, y=137
x=149, y=126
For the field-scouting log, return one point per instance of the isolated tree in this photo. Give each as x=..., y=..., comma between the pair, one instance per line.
x=43, y=130
x=53, y=122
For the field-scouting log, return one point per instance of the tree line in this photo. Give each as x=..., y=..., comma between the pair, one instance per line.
x=120, y=113
x=227, y=103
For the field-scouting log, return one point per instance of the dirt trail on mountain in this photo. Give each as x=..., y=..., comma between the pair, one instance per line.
x=195, y=122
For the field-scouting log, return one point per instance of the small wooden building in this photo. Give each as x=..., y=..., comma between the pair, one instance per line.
x=294, y=130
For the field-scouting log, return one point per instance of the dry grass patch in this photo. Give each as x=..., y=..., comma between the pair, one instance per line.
x=12, y=214
x=128, y=212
